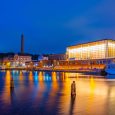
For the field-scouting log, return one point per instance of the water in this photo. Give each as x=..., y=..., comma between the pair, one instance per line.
x=48, y=93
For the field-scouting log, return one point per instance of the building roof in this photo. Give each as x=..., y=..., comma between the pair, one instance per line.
x=92, y=42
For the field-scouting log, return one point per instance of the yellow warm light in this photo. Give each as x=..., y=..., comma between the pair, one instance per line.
x=54, y=76
x=92, y=84
x=8, y=77
x=54, y=83
x=30, y=76
x=40, y=76
x=21, y=76
x=95, y=50
x=66, y=76
x=7, y=92
x=87, y=52
x=8, y=64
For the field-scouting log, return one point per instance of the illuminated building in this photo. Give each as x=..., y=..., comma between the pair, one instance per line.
x=102, y=49
x=32, y=64
x=20, y=60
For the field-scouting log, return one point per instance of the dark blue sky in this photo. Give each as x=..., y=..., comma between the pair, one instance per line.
x=50, y=26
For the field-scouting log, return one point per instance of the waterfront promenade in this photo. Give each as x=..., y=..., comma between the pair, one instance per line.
x=88, y=71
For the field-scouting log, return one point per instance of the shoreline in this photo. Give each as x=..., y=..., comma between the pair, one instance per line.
x=57, y=70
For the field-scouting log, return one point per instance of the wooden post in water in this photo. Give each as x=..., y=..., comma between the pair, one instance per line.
x=12, y=83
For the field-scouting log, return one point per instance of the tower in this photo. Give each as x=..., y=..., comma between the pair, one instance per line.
x=22, y=43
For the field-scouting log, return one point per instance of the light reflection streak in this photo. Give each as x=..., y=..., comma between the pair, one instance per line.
x=7, y=91
x=65, y=105
x=54, y=76
x=40, y=76
x=92, y=94
x=30, y=76
x=36, y=76
x=66, y=77
x=63, y=75
x=41, y=87
x=54, y=82
x=47, y=77
x=53, y=91
x=21, y=77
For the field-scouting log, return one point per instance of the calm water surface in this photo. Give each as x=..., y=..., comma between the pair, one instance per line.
x=48, y=93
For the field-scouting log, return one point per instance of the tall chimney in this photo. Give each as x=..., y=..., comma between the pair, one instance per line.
x=22, y=43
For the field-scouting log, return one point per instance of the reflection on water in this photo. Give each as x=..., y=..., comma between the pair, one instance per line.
x=6, y=94
x=49, y=93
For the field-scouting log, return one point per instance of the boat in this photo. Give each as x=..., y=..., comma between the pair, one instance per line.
x=110, y=69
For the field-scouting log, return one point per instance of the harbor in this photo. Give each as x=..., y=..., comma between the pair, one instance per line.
x=91, y=57
x=57, y=57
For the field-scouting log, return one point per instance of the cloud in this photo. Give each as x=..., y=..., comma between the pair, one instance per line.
x=96, y=23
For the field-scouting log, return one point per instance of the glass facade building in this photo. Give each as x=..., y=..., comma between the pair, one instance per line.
x=102, y=49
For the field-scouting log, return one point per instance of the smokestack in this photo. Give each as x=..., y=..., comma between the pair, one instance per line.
x=22, y=43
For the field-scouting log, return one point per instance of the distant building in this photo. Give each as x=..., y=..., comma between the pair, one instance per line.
x=16, y=60
x=57, y=57
x=7, y=61
x=20, y=60
x=51, y=60
x=43, y=57
x=32, y=64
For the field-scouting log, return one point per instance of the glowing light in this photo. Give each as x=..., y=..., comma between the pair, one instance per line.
x=94, y=50
x=31, y=76
x=40, y=76
x=36, y=76
x=8, y=64
x=47, y=78
x=21, y=76
x=54, y=76
x=7, y=91
x=92, y=84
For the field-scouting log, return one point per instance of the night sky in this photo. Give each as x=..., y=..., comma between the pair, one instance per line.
x=49, y=26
